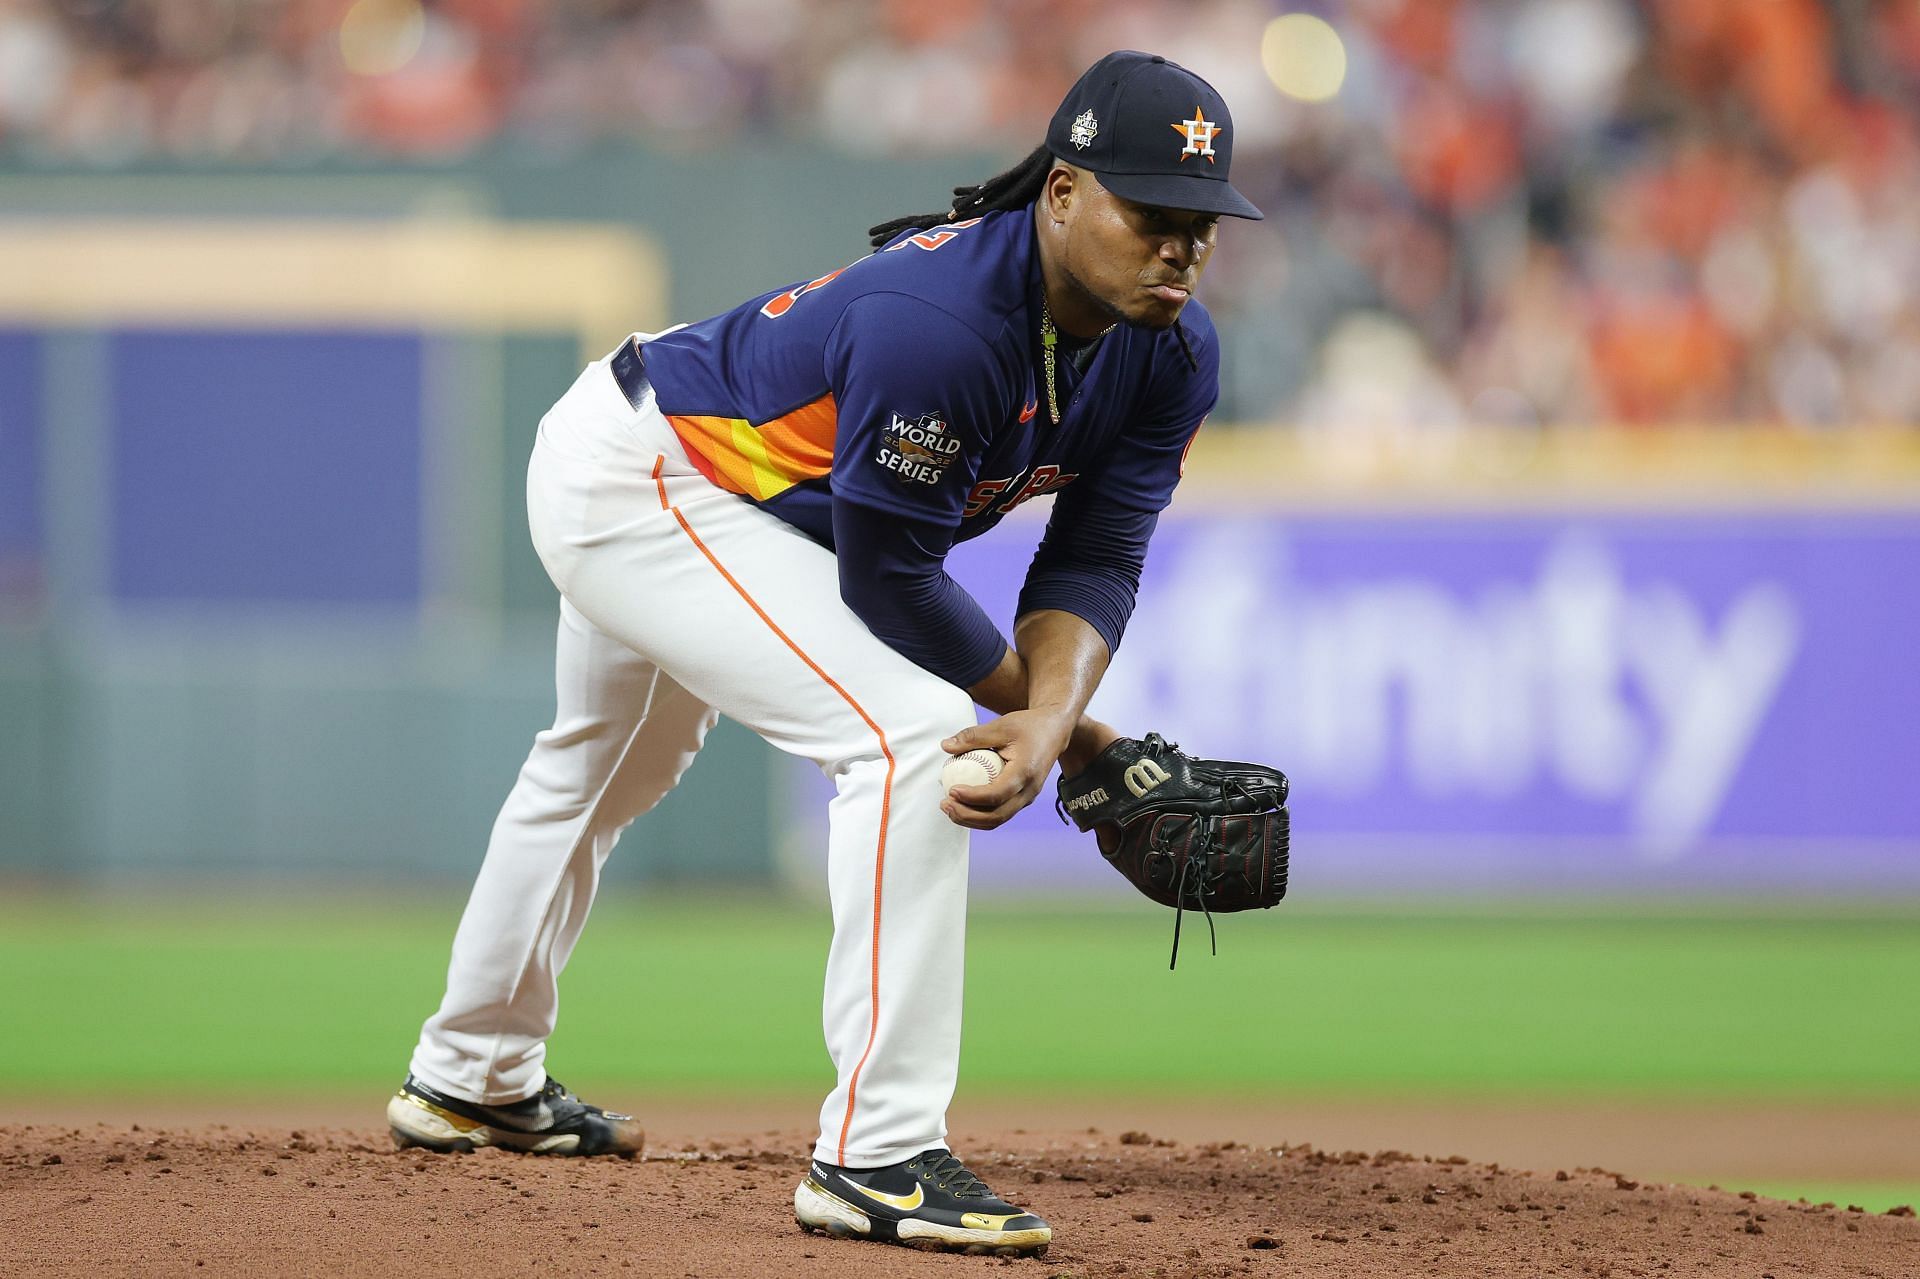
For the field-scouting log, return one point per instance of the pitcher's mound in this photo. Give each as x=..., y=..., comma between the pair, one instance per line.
x=259, y=1201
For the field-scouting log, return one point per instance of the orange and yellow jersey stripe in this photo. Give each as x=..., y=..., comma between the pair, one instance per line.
x=761, y=460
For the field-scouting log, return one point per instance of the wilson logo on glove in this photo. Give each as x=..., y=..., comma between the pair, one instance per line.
x=1212, y=837
x=1096, y=796
x=1143, y=777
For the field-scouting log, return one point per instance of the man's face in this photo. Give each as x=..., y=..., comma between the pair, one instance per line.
x=1138, y=262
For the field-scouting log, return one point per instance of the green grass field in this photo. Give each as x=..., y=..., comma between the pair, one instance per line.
x=169, y=997
x=321, y=997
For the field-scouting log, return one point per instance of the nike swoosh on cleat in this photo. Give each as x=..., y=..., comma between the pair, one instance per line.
x=460, y=1123
x=543, y=1119
x=1026, y=414
x=905, y=1203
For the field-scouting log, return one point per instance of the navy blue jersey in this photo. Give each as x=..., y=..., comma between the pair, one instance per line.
x=911, y=381
x=898, y=405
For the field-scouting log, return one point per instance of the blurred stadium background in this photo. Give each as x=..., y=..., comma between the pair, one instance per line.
x=1557, y=531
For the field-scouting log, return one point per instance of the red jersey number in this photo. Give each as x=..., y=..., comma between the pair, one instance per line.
x=931, y=240
x=781, y=303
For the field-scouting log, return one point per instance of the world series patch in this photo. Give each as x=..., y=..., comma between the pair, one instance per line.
x=919, y=449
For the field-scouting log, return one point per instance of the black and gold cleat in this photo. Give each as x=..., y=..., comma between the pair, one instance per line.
x=551, y=1122
x=930, y=1201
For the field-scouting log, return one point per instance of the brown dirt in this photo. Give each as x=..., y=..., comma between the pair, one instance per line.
x=216, y=1200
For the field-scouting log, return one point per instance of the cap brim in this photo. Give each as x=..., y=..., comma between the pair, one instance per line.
x=1181, y=191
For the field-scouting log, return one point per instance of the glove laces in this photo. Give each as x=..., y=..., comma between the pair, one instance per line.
x=1192, y=882
x=1193, y=867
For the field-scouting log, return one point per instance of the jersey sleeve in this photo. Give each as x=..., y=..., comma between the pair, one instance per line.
x=1089, y=562
x=917, y=396
x=893, y=577
x=1144, y=466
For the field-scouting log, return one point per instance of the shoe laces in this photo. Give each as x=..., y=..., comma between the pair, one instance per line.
x=947, y=1172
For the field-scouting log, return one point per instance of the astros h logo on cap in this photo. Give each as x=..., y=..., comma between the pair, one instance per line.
x=1199, y=133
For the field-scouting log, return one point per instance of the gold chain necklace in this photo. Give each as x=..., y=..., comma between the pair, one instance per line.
x=1049, y=339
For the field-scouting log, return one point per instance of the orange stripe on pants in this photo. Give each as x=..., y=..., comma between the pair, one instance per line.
x=886, y=794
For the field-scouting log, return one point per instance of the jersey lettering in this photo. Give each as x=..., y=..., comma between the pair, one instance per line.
x=981, y=496
x=1045, y=479
x=908, y=468
x=931, y=240
x=781, y=303
x=918, y=449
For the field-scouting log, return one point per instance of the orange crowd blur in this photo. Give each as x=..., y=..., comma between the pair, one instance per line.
x=1563, y=212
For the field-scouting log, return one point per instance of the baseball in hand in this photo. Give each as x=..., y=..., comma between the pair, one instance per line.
x=975, y=768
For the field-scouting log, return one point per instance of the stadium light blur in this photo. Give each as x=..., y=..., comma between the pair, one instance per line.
x=1304, y=57
x=379, y=37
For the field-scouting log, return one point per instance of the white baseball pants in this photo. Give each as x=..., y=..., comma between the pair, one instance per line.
x=681, y=602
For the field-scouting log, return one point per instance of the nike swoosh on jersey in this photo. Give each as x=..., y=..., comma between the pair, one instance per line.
x=905, y=1203
x=1026, y=414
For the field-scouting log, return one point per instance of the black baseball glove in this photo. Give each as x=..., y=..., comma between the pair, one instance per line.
x=1193, y=834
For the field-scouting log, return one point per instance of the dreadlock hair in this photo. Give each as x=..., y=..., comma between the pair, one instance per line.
x=1017, y=187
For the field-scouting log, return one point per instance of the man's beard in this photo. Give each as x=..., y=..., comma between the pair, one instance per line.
x=1109, y=309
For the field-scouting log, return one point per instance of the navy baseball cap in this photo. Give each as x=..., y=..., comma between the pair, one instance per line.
x=1155, y=132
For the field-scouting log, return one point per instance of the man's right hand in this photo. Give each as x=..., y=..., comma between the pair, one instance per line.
x=1030, y=741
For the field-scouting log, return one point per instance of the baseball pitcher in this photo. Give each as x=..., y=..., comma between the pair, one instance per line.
x=749, y=516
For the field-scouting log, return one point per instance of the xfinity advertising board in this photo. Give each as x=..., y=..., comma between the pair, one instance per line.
x=1527, y=702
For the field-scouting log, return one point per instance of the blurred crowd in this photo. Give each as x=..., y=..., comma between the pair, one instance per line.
x=1511, y=211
